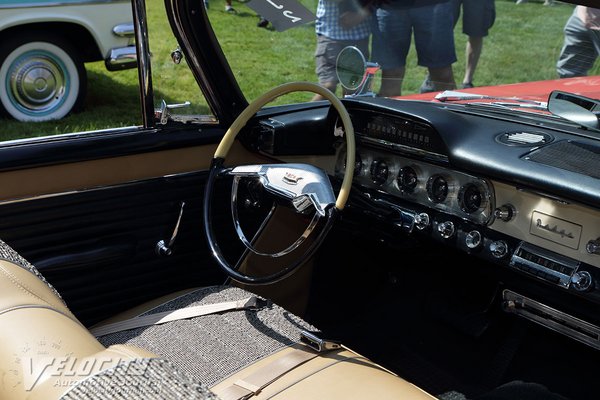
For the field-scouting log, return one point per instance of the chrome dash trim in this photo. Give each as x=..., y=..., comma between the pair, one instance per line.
x=405, y=149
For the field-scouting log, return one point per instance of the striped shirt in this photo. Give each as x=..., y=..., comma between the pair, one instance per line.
x=328, y=23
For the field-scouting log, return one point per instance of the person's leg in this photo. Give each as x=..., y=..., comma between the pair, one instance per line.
x=472, y=54
x=391, y=43
x=478, y=17
x=578, y=53
x=434, y=42
x=229, y=8
x=442, y=78
x=326, y=55
x=391, y=82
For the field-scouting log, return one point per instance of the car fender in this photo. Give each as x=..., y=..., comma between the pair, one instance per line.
x=98, y=18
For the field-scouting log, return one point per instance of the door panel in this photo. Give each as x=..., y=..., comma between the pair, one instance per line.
x=92, y=227
x=98, y=247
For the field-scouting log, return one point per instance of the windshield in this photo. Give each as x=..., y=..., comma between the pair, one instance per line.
x=421, y=46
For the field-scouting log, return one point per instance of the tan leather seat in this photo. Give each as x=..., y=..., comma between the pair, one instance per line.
x=42, y=345
x=340, y=374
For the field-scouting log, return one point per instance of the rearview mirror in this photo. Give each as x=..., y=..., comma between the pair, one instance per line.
x=354, y=72
x=576, y=108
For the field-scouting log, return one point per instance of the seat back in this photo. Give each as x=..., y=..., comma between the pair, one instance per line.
x=44, y=349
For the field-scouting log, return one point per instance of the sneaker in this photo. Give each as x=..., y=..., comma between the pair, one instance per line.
x=427, y=85
x=230, y=10
x=262, y=23
x=521, y=1
x=467, y=85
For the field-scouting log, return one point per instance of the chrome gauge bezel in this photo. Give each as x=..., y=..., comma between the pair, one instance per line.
x=426, y=172
x=418, y=176
x=431, y=190
x=483, y=192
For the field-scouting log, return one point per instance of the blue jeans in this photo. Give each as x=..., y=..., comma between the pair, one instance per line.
x=433, y=29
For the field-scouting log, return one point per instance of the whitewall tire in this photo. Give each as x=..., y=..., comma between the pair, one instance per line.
x=40, y=79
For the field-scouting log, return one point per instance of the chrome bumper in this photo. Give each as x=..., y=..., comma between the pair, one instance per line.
x=121, y=58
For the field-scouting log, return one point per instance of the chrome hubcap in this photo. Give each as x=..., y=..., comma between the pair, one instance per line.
x=37, y=83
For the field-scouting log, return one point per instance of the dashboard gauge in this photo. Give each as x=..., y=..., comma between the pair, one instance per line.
x=379, y=172
x=437, y=188
x=470, y=198
x=407, y=179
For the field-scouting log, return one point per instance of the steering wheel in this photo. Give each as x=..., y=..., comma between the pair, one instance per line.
x=302, y=185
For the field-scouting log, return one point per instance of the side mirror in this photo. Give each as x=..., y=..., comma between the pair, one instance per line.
x=576, y=108
x=354, y=72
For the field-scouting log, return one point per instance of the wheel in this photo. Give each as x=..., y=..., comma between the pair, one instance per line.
x=303, y=187
x=41, y=78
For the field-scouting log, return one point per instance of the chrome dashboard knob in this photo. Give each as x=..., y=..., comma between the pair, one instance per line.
x=446, y=229
x=499, y=249
x=593, y=246
x=422, y=221
x=473, y=239
x=505, y=212
x=581, y=281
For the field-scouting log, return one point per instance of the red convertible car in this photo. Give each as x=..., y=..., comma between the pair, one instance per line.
x=266, y=234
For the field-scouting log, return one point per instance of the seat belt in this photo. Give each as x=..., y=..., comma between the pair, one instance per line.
x=250, y=303
x=254, y=383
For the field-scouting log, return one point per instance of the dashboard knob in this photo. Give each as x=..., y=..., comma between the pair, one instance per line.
x=422, y=221
x=473, y=239
x=593, y=246
x=505, y=212
x=581, y=281
x=499, y=248
x=446, y=229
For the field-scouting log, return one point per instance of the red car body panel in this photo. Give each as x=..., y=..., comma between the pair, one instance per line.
x=588, y=86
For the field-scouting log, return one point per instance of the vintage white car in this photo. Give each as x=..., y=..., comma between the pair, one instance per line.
x=245, y=240
x=44, y=46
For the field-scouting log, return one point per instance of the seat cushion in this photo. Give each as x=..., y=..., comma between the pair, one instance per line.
x=212, y=347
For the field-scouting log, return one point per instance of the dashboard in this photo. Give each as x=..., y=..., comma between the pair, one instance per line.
x=506, y=189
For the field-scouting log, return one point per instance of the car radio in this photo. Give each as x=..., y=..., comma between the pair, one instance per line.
x=544, y=264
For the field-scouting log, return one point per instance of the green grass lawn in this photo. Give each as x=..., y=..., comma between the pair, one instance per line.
x=262, y=58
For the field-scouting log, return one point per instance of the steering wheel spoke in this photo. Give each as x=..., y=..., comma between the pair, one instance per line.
x=302, y=184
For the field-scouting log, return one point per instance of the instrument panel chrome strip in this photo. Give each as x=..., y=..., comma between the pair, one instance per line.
x=405, y=149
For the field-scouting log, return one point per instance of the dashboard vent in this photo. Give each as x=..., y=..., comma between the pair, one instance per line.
x=524, y=138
